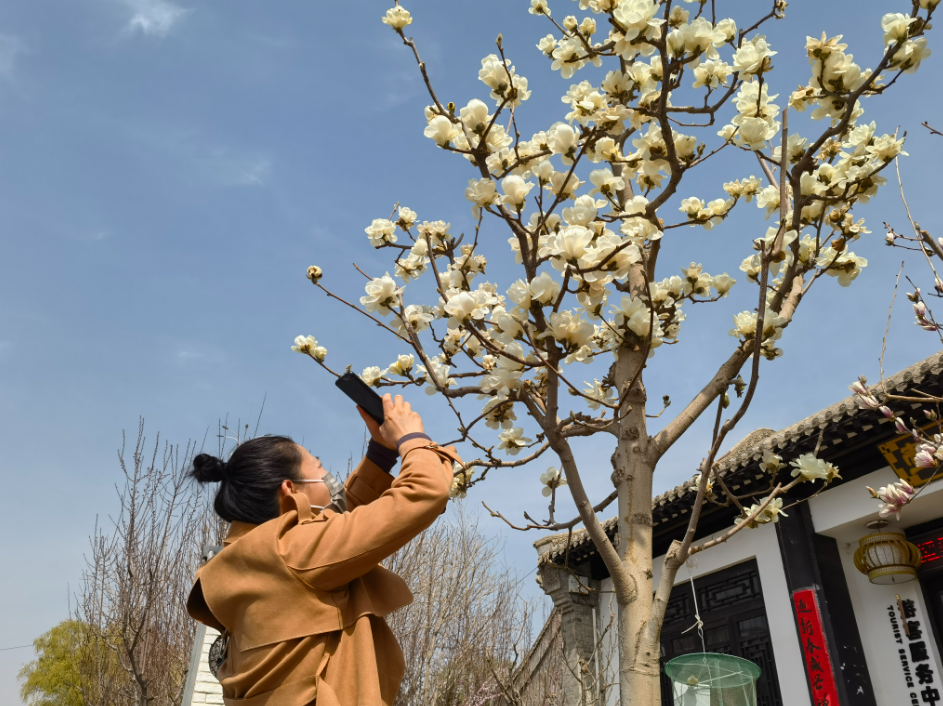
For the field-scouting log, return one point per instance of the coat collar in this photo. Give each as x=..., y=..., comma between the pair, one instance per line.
x=296, y=502
x=236, y=530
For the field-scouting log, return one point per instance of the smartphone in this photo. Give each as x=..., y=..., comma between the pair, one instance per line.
x=357, y=390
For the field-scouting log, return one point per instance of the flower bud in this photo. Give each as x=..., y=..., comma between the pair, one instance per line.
x=314, y=274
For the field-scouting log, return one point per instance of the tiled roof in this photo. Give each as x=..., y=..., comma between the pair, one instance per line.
x=751, y=448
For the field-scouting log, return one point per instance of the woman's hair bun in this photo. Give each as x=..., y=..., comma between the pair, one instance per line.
x=208, y=469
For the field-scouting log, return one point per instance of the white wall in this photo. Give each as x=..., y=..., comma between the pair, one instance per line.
x=606, y=621
x=760, y=544
x=842, y=513
x=202, y=687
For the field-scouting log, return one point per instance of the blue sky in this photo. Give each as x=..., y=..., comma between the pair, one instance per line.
x=168, y=170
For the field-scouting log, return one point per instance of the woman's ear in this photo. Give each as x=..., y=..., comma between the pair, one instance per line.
x=286, y=488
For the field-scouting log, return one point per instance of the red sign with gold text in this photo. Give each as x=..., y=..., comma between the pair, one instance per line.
x=818, y=666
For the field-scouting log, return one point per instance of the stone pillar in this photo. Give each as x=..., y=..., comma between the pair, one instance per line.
x=576, y=599
x=202, y=687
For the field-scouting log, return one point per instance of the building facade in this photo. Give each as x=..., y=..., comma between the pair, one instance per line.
x=786, y=596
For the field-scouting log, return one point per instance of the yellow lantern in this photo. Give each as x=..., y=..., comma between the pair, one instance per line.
x=886, y=557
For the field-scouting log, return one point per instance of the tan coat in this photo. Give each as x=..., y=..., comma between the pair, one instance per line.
x=303, y=596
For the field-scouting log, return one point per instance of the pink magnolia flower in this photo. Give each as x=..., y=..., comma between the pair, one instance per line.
x=858, y=388
x=893, y=497
x=924, y=458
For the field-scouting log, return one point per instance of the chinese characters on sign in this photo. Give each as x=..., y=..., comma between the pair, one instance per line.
x=914, y=652
x=818, y=665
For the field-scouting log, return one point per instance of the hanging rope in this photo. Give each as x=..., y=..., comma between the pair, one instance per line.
x=699, y=624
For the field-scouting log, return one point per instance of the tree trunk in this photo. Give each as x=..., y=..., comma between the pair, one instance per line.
x=639, y=648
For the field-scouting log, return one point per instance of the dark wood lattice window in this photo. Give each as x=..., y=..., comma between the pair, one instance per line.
x=731, y=605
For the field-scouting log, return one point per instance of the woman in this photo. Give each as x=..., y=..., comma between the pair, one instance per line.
x=298, y=587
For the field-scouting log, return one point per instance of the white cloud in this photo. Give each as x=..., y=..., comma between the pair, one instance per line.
x=10, y=48
x=239, y=171
x=154, y=17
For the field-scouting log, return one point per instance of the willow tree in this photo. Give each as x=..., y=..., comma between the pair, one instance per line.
x=587, y=203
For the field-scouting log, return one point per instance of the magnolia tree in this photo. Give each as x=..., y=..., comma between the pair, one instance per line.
x=587, y=204
x=928, y=433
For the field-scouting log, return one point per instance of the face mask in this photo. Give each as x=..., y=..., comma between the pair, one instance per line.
x=338, y=494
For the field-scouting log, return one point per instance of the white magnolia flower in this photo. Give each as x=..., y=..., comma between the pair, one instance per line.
x=564, y=184
x=724, y=32
x=604, y=182
x=544, y=288
x=564, y=140
x=464, y=307
x=461, y=477
x=403, y=364
x=516, y=190
x=441, y=373
x=885, y=148
x=407, y=218
x=552, y=478
x=754, y=132
x=381, y=231
x=697, y=484
x=896, y=27
x=482, y=192
x=571, y=330
x=309, y=346
x=442, y=130
x=372, y=375
x=750, y=58
x=417, y=316
x=910, y=55
x=513, y=440
x=475, y=115
x=600, y=393
x=712, y=74
x=583, y=211
x=397, y=17
x=381, y=294
x=723, y=283
x=543, y=171
x=745, y=325
x=637, y=17
x=813, y=469
x=494, y=74
x=315, y=274
x=771, y=462
x=569, y=245
x=846, y=266
x=539, y=7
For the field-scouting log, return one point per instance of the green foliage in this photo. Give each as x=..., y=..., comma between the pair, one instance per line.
x=53, y=678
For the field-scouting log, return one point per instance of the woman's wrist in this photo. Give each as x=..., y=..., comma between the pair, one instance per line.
x=412, y=435
x=382, y=456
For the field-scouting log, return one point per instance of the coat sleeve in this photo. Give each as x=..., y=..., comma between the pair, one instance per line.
x=366, y=484
x=334, y=549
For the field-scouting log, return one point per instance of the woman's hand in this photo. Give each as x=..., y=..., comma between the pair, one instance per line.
x=399, y=420
x=374, y=429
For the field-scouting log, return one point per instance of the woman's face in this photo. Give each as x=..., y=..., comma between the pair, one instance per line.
x=311, y=469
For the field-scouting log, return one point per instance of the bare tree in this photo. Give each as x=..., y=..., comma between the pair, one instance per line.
x=467, y=631
x=137, y=578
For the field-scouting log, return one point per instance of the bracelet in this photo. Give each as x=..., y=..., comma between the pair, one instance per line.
x=409, y=437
